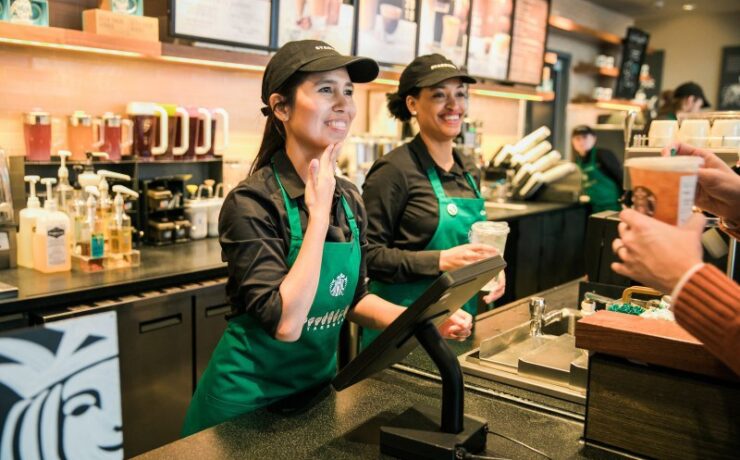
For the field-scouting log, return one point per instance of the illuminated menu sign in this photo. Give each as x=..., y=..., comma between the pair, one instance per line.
x=386, y=30
x=528, y=41
x=490, y=38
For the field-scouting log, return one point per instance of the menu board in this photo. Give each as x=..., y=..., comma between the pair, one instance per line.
x=326, y=20
x=443, y=28
x=490, y=38
x=634, y=48
x=528, y=41
x=231, y=22
x=386, y=30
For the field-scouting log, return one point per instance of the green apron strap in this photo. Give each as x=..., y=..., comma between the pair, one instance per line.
x=439, y=192
x=294, y=221
x=350, y=219
x=471, y=181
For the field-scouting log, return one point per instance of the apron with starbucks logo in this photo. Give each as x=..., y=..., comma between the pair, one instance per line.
x=600, y=188
x=250, y=369
x=456, y=216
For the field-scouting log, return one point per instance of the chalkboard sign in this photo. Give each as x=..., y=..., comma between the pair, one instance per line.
x=229, y=22
x=634, y=48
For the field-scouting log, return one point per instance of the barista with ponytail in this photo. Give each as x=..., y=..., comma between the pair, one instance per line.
x=293, y=236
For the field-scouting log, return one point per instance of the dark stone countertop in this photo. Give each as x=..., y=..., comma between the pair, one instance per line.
x=345, y=424
x=161, y=266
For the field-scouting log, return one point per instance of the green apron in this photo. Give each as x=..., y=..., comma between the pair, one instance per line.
x=600, y=188
x=250, y=369
x=456, y=216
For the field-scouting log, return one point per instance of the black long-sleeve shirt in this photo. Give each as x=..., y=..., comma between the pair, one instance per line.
x=403, y=212
x=255, y=238
x=608, y=163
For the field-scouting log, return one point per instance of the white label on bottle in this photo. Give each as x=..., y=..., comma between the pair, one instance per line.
x=687, y=189
x=56, y=246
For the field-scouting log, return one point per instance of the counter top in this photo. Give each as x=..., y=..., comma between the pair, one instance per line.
x=161, y=266
x=345, y=424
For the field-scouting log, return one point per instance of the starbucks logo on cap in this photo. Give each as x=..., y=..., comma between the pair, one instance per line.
x=337, y=285
x=452, y=209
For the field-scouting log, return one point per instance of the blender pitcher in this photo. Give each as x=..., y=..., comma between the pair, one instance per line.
x=150, y=129
x=37, y=133
x=84, y=134
x=114, y=143
x=219, y=120
x=200, y=133
x=178, y=132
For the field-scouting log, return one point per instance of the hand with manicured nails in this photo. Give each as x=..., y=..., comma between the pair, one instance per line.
x=498, y=291
x=321, y=182
x=655, y=253
x=458, y=326
x=465, y=254
x=718, y=187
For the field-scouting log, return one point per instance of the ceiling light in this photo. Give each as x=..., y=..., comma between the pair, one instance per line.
x=689, y=7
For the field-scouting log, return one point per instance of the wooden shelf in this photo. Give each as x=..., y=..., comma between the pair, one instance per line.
x=75, y=40
x=584, y=32
x=584, y=67
x=612, y=104
x=252, y=61
x=389, y=78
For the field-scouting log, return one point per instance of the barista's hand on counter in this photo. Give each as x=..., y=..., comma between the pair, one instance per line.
x=458, y=326
x=320, y=184
x=465, y=254
x=498, y=291
x=655, y=253
x=718, y=188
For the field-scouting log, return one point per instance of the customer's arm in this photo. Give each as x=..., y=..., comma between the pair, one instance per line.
x=708, y=306
x=669, y=258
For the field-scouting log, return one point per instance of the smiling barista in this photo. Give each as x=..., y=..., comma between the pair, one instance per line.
x=423, y=197
x=294, y=239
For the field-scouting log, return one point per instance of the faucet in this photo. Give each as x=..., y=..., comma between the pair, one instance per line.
x=536, y=311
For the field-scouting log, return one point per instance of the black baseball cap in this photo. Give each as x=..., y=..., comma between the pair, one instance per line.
x=582, y=130
x=690, y=89
x=312, y=56
x=428, y=70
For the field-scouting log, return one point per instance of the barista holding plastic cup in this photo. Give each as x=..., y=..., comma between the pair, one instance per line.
x=422, y=198
x=293, y=236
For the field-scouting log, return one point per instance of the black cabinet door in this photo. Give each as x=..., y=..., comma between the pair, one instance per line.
x=156, y=355
x=211, y=308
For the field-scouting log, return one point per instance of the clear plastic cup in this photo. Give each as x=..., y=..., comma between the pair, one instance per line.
x=493, y=234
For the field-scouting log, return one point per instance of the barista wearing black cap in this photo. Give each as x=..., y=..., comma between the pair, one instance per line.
x=686, y=98
x=294, y=239
x=423, y=197
x=602, y=172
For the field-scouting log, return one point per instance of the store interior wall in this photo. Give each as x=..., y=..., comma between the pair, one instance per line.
x=61, y=82
x=693, y=45
x=595, y=17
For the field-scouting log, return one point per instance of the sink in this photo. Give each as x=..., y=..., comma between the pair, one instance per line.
x=549, y=363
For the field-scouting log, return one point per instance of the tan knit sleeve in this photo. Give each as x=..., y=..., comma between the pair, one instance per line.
x=708, y=307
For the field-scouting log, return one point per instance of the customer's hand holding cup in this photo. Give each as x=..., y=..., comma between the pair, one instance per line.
x=664, y=187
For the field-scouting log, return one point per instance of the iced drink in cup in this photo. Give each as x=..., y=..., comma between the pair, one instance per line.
x=493, y=234
x=664, y=187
